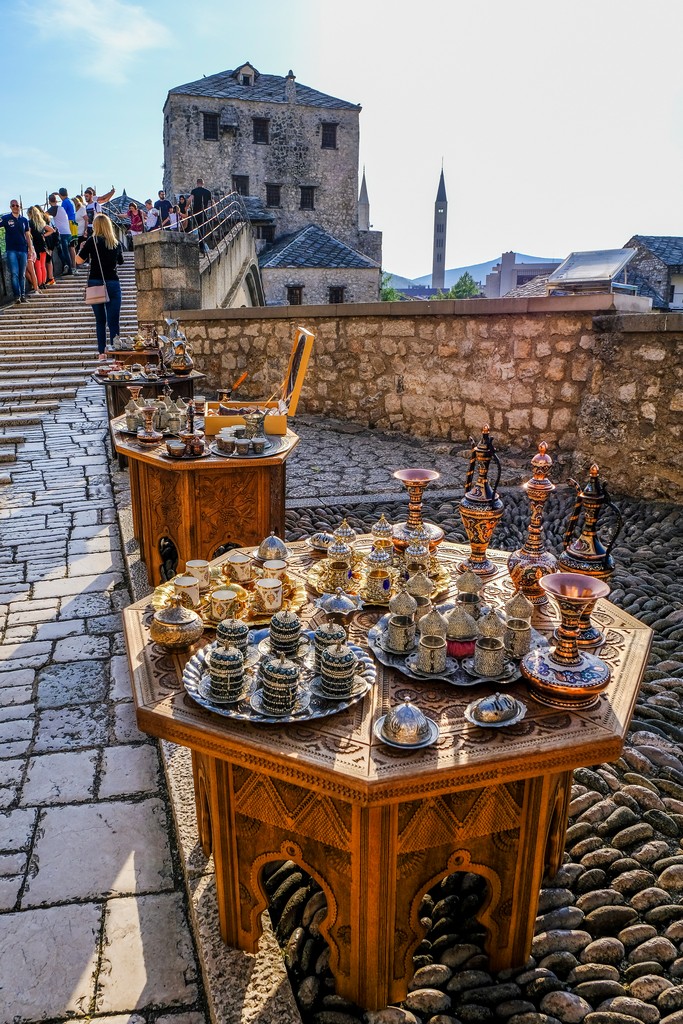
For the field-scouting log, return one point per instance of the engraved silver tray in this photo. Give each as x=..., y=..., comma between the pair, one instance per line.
x=319, y=707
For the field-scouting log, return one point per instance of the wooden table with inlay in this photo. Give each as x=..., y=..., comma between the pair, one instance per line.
x=378, y=827
x=202, y=504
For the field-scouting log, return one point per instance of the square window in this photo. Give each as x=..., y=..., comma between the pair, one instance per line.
x=307, y=197
x=336, y=295
x=329, y=136
x=295, y=295
x=266, y=232
x=210, y=127
x=273, y=195
x=240, y=184
x=261, y=130
x=246, y=79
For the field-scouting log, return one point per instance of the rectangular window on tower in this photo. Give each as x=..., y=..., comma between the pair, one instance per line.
x=336, y=295
x=273, y=195
x=329, y=135
x=240, y=184
x=307, y=197
x=261, y=130
x=295, y=295
x=210, y=127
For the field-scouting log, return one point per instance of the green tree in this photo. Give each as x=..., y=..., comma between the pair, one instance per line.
x=464, y=288
x=387, y=292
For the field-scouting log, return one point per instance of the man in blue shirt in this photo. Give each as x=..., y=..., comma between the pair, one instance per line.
x=67, y=205
x=18, y=244
x=164, y=207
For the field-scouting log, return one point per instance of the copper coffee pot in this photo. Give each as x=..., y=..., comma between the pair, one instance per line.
x=480, y=507
x=586, y=553
x=532, y=561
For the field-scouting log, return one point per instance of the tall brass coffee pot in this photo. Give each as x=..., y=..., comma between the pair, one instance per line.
x=587, y=553
x=480, y=507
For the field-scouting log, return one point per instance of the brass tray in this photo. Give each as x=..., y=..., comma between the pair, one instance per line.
x=293, y=598
x=316, y=574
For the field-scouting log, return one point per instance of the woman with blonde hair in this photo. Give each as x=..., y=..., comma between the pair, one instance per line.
x=39, y=230
x=104, y=252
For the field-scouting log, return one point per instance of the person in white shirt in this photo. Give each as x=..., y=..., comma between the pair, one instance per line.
x=61, y=224
x=92, y=205
x=151, y=216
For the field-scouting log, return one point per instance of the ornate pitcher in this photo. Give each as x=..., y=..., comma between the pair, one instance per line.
x=586, y=553
x=480, y=507
x=532, y=561
x=181, y=362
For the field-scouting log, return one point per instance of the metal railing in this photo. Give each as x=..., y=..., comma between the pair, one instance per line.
x=220, y=219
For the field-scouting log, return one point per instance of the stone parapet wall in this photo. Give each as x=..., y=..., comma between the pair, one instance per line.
x=578, y=372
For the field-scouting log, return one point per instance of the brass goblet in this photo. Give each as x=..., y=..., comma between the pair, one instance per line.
x=415, y=480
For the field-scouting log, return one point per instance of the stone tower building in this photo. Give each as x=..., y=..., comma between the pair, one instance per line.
x=294, y=150
x=439, y=251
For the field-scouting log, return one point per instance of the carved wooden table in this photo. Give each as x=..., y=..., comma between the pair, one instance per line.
x=202, y=504
x=378, y=827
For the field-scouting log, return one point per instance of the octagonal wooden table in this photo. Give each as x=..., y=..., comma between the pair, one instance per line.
x=202, y=504
x=378, y=827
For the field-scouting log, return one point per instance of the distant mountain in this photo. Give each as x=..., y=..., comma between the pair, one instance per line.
x=477, y=270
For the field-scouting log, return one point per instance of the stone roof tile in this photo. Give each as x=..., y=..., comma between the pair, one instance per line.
x=266, y=88
x=669, y=248
x=312, y=247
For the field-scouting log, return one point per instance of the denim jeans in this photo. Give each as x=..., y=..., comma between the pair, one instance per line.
x=65, y=252
x=107, y=313
x=16, y=261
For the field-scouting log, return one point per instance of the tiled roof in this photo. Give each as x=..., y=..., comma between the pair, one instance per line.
x=537, y=286
x=669, y=248
x=256, y=210
x=313, y=247
x=266, y=88
x=645, y=288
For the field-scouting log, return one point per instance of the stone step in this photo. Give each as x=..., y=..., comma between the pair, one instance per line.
x=47, y=362
x=12, y=439
x=8, y=455
x=19, y=420
x=69, y=383
x=35, y=399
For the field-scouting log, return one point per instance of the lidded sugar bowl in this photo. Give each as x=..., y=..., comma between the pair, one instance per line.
x=383, y=532
x=272, y=547
x=406, y=725
x=175, y=627
x=497, y=709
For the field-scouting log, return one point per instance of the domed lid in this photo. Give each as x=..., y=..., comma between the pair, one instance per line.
x=272, y=547
x=280, y=670
x=461, y=625
x=231, y=629
x=285, y=620
x=330, y=632
x=339, y=603
x=227, y=657
x=492, y=624
x=433, y=624
x=339, y=550
x=496, y=707
x=469, y=583
x=405, y=723
x=403, y=604
x=382, y=530
x=176, y=614
x=321, y=539
x=417, y=549
x=518, y=607
x=345, y=532
x=420, y=585
x=379, y=557
x=337, y=656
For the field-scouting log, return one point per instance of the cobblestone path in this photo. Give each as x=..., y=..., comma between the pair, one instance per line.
x=92, y=907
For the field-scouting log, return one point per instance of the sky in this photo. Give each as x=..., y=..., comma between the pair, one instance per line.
x=559, y=125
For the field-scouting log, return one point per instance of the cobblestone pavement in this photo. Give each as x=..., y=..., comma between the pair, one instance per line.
x=94, y=919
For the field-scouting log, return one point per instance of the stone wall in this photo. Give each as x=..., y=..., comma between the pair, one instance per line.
x=360, y=284
x=294, y=157
x=579, y=372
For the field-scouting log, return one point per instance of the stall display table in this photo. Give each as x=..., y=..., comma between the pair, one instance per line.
x=203, y=503
x=377, y=827
x=118, y=394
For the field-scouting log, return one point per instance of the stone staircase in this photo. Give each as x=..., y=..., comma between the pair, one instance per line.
x=48, y=350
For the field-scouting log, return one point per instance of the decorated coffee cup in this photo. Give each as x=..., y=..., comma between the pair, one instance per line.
x=275, y=567
x=338, y=575
x=238, y=564
x=377, y=586
x=223, y=603
x=187, y=589
x=489, y=656
x=517, y=637
x=431, y=654
x=201, y=570
x=269, y=594
x=401, y=632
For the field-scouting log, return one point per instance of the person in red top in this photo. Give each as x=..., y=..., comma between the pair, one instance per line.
x=137, y=224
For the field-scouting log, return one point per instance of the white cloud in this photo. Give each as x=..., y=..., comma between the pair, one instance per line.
x=105, y=36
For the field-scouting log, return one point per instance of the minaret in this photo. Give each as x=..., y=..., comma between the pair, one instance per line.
x=440, y=218
x=363, y=207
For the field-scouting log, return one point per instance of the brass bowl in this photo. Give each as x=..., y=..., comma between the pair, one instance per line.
x=175, y=627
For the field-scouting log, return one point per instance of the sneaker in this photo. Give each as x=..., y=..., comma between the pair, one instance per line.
x=22, y=298
x=49, y=284
x=102, y=356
